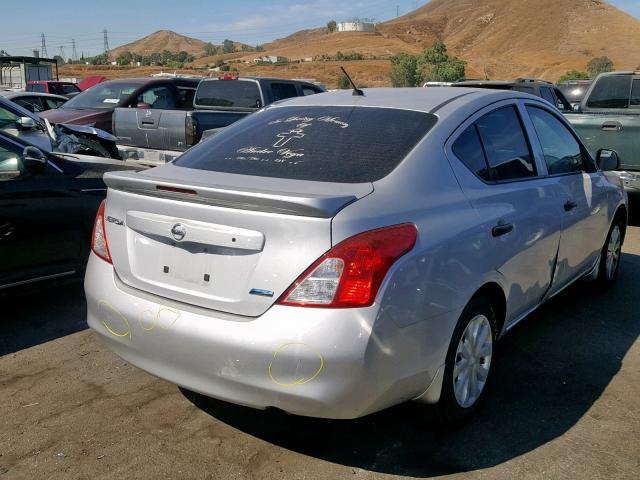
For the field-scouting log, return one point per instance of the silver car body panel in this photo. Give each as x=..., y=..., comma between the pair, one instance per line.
x=335, y=363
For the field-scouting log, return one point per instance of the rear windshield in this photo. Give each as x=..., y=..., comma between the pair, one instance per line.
x=324, y=144
x=36, y=87
x=610, y=92
x=228, y=94
x=104, y=96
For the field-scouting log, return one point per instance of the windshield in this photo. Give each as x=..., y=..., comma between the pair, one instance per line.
x=324, y=144
x=104, y=96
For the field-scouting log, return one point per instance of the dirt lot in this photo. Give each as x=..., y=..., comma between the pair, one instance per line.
x=564, y=404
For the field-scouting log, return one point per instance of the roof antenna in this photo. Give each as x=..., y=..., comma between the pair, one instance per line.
x=356, y=90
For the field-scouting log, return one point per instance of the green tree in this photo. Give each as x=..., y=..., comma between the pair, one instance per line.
x=343, y=82
x=210, y=49
x=228, y=46
x=599, y=65
x=405, y=71
x=125, y=58
x=332, y=26
x=4, y=53
x=440, y=66
x=259, y=48
x=574, y=75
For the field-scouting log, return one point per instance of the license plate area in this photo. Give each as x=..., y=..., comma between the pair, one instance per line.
x=191, y=269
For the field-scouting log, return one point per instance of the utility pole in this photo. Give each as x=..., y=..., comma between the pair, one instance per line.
x=43, y=47
x=106, y=42
x=74, y=53
x=62, y=53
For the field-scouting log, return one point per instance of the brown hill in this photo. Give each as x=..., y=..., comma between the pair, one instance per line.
x=498, y=38
x=512, y=38
x=159, y=41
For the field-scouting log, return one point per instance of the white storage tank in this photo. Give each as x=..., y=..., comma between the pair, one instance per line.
x=356, y=26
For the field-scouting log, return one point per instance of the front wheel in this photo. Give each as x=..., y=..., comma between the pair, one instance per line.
x=89, y=146
x=469, y=361
x=610, y=254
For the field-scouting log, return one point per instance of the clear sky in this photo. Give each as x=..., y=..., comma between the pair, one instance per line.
x=249, y=21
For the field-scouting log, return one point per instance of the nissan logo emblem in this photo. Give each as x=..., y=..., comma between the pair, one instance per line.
x=178, y=231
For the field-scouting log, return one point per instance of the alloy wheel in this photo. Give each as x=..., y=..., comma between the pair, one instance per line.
x=472, y=361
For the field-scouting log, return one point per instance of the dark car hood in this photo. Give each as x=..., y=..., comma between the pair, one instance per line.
x=70, y=115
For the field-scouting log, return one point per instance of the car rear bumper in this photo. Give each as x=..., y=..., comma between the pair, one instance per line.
x=314, y=362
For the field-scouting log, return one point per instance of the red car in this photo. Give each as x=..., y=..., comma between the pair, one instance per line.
x=68, y=89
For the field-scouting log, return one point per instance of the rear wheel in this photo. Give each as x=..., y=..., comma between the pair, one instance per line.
x=611, y=253
x=469, y=361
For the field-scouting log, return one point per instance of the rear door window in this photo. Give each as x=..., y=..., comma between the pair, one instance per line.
x=280, y=91
x=243, y=94
x=505, y=145
x=610, y=92
x=326, y=144
x=547, y=94
x=468, y=148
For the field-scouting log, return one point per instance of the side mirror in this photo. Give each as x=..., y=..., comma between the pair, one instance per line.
x=607, y=160
x=143, y=105
x=27, y=123
x=34, y=160
x=258, y=103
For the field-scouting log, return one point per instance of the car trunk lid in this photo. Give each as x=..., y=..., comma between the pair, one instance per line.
x=232, y=243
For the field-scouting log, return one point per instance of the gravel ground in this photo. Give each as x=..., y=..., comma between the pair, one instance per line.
x=564, y=403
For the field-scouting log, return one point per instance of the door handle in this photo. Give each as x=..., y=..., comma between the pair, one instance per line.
x=6, y=230
x=570, y=205
x=612, y=126
x=501, y=229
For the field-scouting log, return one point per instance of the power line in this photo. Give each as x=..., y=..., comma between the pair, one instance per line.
x=43, y=47
x=106, y=42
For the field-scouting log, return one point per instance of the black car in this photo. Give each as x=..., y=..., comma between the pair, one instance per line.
x=47, y=208
x=539, y=88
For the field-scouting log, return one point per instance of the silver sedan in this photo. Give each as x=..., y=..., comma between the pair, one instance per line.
x=337, y=254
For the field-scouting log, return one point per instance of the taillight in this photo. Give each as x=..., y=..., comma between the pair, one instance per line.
x=99, y=243
x=191, y=128
x=350, y=274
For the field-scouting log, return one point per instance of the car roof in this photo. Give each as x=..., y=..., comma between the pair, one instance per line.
x=419, y=99
x=12, y=95
x=262, y=79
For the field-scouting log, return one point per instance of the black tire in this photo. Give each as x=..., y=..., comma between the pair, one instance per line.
x=605, y=277
x=449, y=410
x=93, y=147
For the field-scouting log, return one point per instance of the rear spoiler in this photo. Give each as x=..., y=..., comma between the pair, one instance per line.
x=302, y=204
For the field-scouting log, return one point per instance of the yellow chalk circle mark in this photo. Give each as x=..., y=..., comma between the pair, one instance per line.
x=104, y=321
x=300, y=381
x=172, y=312
x=151, y=320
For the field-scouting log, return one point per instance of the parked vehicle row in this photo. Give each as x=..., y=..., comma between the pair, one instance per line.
x=336, y=254
x=178, y=124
